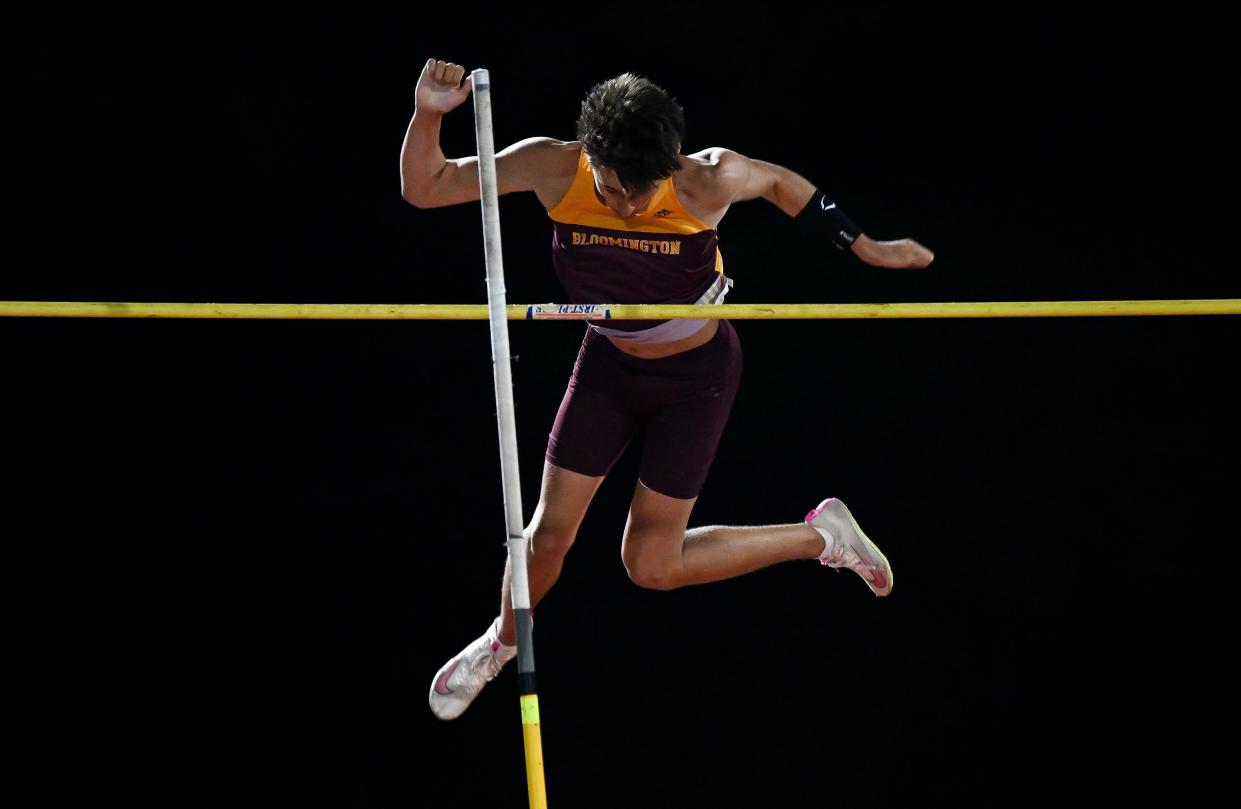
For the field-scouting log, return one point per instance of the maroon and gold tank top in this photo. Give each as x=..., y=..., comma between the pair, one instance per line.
x=662, y=255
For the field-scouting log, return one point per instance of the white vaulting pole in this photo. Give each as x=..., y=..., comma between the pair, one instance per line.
x=498, y=317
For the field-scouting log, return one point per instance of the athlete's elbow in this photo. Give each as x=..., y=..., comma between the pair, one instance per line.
x=418, y=197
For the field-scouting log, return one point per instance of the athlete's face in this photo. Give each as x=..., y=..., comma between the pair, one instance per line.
x=624, y=201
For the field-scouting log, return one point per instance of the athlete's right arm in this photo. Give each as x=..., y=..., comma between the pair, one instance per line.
x=430, y=180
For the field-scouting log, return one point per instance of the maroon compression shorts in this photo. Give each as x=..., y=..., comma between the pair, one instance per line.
x=678, y=405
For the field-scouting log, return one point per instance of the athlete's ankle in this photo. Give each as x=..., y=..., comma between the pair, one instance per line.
x=507, y=635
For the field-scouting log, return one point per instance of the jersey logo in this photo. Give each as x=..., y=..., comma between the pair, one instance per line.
x=665, y=212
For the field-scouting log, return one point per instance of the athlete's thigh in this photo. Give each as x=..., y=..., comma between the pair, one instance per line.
x=596, y=419
x=683, y=434
x=656, y=527
x=564, y=496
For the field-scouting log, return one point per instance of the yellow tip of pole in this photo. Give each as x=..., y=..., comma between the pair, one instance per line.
x=534, y=751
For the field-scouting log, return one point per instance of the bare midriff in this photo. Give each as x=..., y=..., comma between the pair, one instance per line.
x=654, y=351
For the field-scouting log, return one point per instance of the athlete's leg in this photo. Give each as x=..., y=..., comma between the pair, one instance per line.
x=661, y=554
x=563, y=499
x=680, y=442
x=590, y=432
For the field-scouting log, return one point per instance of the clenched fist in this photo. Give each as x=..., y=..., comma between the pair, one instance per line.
x=440, y=88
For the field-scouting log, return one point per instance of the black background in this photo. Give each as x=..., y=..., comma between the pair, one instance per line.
x=243, y=548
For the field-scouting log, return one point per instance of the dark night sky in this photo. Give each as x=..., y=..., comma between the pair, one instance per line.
x=245, y=547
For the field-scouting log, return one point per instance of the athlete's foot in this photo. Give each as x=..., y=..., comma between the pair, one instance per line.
x=461, y=679
x=845, y=545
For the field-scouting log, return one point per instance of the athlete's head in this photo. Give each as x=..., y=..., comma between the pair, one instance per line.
x=632, y=132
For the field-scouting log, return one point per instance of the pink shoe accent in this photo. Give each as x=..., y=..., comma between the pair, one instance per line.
x=814, y=512
x=495, y=646
x=441, y=685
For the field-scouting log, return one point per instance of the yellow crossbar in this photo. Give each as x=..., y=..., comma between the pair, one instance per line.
x=731, y=311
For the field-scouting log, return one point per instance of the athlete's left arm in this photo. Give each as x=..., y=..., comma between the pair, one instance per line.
x=737, y=178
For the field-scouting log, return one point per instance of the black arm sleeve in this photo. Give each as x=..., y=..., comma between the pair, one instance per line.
x=826, y=219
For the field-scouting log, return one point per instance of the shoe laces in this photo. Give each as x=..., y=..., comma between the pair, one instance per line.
x=842, y=555
x=487, y=662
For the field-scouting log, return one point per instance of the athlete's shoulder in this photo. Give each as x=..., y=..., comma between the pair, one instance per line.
x=712, y=173
x=545, y=154
x=544, y=165
x=713, y=161
x=552, y=146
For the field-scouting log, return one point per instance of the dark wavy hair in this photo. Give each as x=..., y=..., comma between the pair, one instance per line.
x=633, y=127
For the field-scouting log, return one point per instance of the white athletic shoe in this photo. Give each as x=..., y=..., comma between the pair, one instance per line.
x=847, y=546
x=457, y=684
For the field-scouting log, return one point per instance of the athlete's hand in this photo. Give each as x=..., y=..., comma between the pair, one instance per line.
x=900, y=254
x=440, y=88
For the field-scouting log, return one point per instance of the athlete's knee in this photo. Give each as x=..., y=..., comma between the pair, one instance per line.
x=548, y=538
x=650, y=572
x=656, y=580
